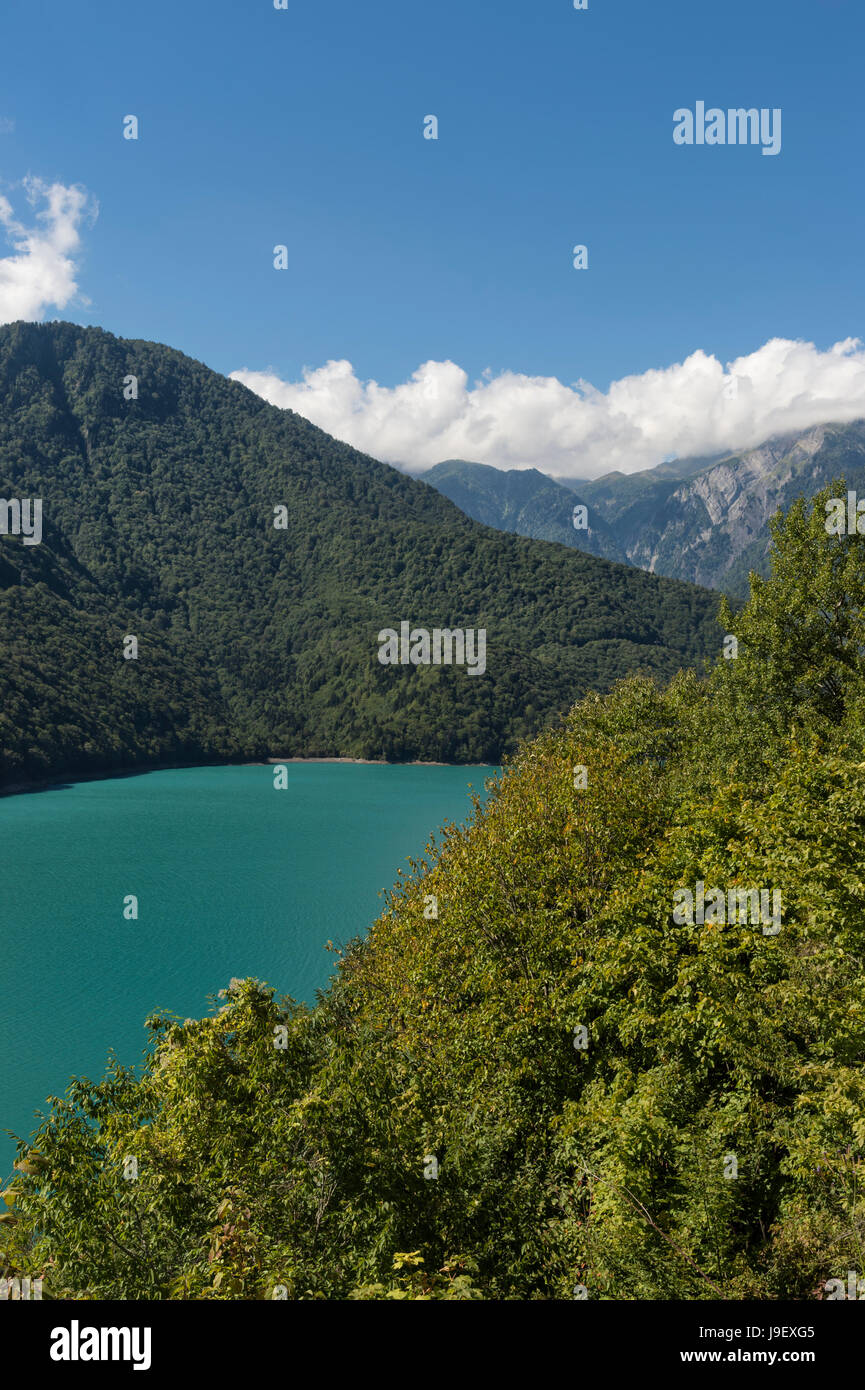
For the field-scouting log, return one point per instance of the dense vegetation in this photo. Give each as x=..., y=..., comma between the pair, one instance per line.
x=288, y=1149
x=253, y=640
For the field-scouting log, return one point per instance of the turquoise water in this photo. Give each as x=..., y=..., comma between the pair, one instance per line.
x=232, y=878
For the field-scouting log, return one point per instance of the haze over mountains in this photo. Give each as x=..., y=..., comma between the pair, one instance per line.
x=255, y=641
x=703, y=520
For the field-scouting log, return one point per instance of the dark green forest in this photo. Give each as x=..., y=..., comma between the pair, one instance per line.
x=531, y=1080
x=255, y=641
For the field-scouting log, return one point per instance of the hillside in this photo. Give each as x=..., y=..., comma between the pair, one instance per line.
x=556, y=1085
x=703, y=520
x=524, y=501
x=159, y=523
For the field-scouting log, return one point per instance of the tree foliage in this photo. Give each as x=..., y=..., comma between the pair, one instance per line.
x=433, y=1127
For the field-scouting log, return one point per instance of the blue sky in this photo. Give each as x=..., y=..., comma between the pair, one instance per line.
x=304, y=127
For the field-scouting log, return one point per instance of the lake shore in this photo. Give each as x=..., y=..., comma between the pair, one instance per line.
x=235, y=881
x=56, y=782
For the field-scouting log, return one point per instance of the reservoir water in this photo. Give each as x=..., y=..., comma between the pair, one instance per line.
x=232, y=878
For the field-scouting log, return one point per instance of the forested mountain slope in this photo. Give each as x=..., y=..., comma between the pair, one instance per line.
x=159, y=523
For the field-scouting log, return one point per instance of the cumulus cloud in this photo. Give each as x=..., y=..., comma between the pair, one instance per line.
x=42, y=271
x=699, y=406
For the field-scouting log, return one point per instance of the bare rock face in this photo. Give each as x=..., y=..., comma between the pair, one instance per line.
x=713, y=526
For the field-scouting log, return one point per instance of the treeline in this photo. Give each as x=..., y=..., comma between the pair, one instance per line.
x=532, y=1079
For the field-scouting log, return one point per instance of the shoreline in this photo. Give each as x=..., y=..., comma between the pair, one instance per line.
x=56, y=782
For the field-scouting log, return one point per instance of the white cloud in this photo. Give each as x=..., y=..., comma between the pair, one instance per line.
x=693, y=407
x=42, y=270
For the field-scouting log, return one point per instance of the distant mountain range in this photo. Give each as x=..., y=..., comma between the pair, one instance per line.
x=703, y=519
x=524, y=501
x=162, y=484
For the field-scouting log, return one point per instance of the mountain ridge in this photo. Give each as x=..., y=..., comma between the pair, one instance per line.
x=524, y=501
x=709, y=526
x=158, y=522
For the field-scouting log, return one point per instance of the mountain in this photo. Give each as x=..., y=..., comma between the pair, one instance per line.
x=705, y=520
x=614, y=493
x=712, y=527
x=525, y=501
x=159, y=515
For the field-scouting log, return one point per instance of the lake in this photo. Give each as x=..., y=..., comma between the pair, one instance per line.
x=232, y=877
